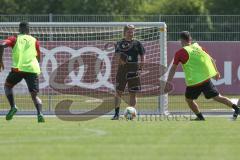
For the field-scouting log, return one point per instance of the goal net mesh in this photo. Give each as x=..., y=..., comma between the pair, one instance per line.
x=79, y=65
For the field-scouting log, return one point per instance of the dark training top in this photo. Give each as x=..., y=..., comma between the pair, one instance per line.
x=129, y=50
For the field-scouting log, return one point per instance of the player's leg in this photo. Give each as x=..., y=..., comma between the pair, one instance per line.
x=117, y=102
x=194, y=107
x=227, y=102
x=121, y=82
x=134, y=86
x=12, y=79
x=224, y=100
x=38, y=104
x=32, y=81
x=133, y=99
x=191, y=94
x=210, y=91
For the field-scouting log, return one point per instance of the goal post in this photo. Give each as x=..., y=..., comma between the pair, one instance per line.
x=94, y=43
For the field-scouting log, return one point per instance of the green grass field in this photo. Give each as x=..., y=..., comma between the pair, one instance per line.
x=102, y=139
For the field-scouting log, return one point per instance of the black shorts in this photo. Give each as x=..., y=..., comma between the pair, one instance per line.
x=207, y=88
x=31, y=79
x=128, y=76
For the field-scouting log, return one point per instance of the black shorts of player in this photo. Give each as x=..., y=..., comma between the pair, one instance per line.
x=31, y=80
x=130, y=77
x=207, y=88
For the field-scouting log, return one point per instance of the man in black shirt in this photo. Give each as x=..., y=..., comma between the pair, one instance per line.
x=127, y=51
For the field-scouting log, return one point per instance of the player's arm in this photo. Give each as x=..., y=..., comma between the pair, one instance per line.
x=10, y=42
x=2, y=46
x=37, y=45
x=180, y=57
x=121, y=57
x=218, y=76
x=172, y=73
x=142, y=55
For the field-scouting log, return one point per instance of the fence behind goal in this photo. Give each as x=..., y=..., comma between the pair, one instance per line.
x=78, y=64
x=202, y=27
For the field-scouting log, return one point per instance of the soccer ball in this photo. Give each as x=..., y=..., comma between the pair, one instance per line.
x=130, y=113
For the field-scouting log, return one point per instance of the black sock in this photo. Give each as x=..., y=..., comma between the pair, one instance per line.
x=39, y=108
x=235, y=107
x=37, y=102
x=11, y=100
x=200, y=116
x=117, y=111
x=9, y=95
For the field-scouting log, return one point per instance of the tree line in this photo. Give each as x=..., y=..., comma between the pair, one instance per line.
x=176, y=13
x=121, y=7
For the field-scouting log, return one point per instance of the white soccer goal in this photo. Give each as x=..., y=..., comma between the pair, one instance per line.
x=81, y=58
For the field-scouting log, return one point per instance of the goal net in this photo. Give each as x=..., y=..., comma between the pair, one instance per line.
x=79, y=67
